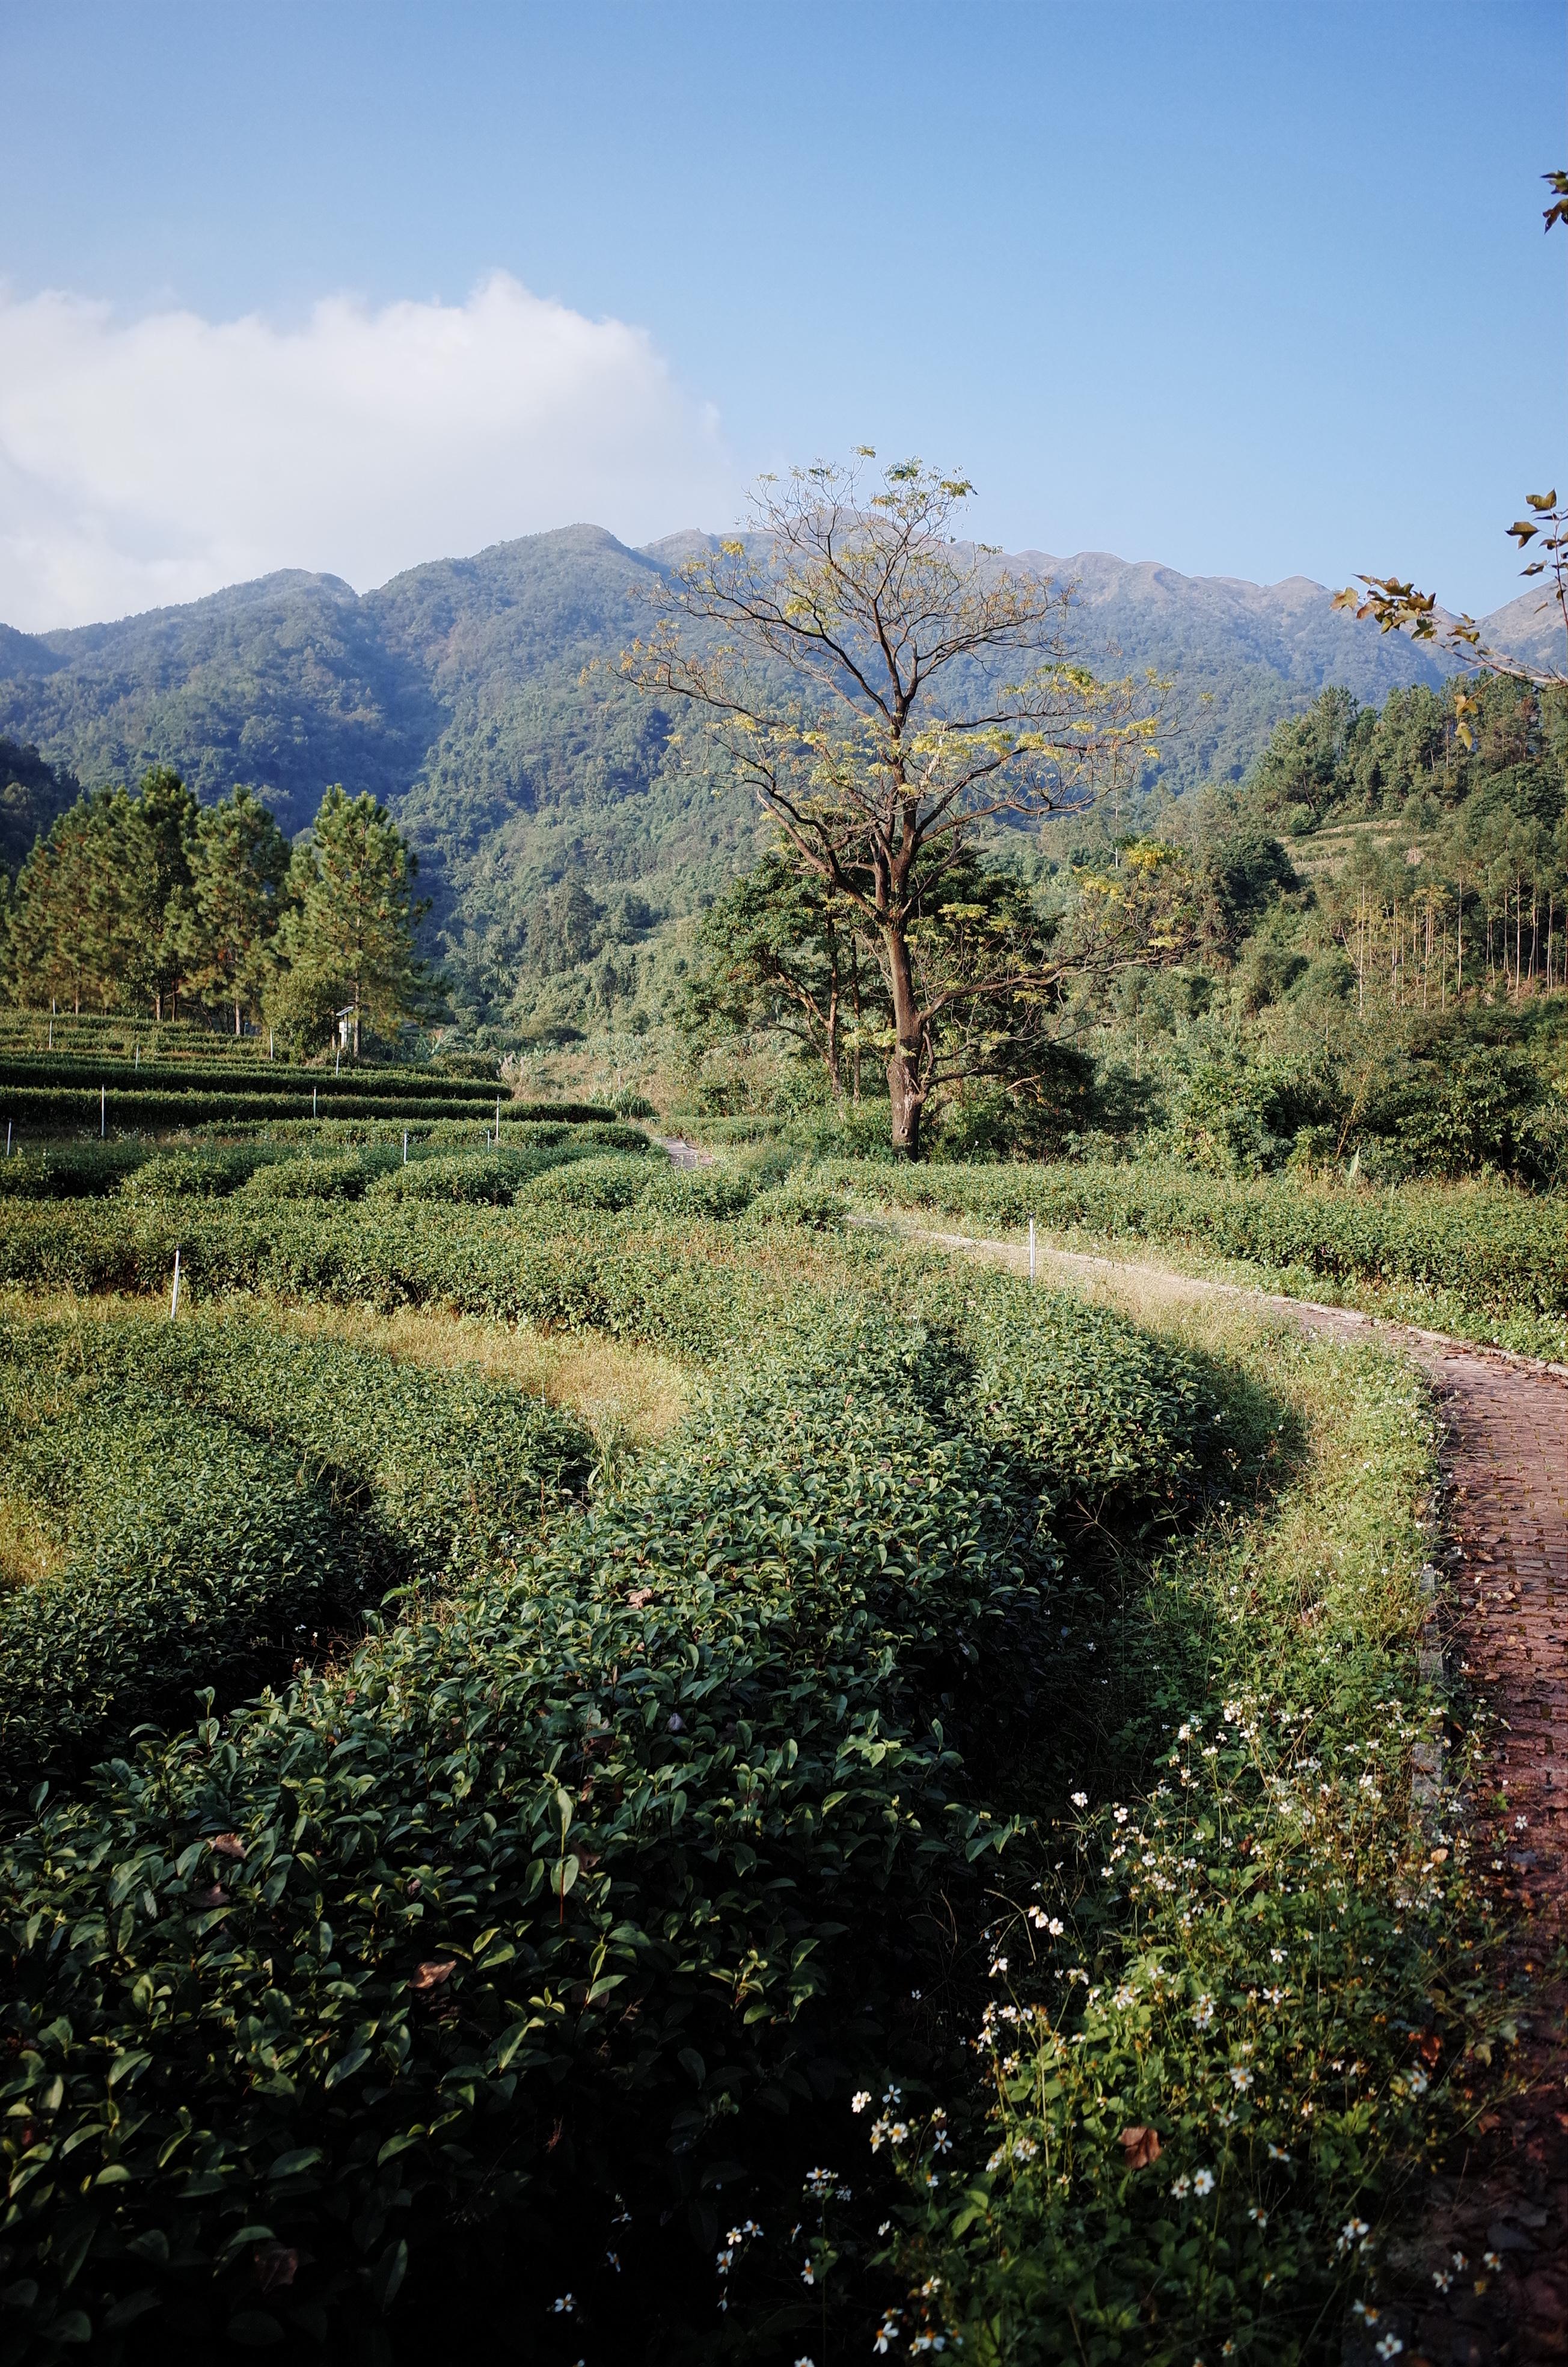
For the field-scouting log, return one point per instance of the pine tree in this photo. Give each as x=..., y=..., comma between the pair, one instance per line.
x=61, y=933
x=239, y=872
x=349, y=945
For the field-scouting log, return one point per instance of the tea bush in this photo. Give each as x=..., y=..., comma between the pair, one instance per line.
x=1496, y=1248
x=627, y=1834
x=1234, y=2014
x=147, y=1442
x=204, y=1561
x=75, y=1171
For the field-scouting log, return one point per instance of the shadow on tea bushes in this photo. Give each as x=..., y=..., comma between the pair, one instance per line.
x=574, y=1907
x=1231, y=2013
x=226, y=1493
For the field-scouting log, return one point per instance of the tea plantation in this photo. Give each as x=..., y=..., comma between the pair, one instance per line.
x=467, y=1882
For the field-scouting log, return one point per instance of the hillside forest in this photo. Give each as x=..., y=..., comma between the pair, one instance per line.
x=1353, y=956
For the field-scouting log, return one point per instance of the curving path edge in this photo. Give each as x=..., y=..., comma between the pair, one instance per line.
x=1501, y=2206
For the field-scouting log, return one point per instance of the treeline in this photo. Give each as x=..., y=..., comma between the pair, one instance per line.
x=1457, y=875
x=145, y=899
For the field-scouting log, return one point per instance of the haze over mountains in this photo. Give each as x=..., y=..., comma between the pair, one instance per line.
x=459, y=694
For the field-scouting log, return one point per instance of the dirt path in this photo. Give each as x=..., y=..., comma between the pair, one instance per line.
x=1502, y=2207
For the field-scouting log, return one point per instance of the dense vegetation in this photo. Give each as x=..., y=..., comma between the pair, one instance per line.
x=454, y=694
x=135, y=901
x=576, y=1899
x=472, y=1870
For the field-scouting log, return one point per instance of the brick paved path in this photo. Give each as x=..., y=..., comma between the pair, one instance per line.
x=1502, y=2205
x=1507, y=2194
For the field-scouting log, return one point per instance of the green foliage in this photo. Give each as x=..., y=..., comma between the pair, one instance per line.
x=1496, y=1250
x=33, y=794
x=225, y=1493
x=240, y=871
x=345, y=1177
x=1257, y=1953
x=346, y=944
x=635, y=1831
x=473, y=1177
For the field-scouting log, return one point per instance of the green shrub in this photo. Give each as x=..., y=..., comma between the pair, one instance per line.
x=803, y=1200
x=608, y=1183
x=194, y=1174
x=475, y=1177
x=346, y=1177
x=204, y=1562
x=149, y=1441
x=74, y=1171
x=712, y=1192
x=1496, y=1248
x=619, y=1834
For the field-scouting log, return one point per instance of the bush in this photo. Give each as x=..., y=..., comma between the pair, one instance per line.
x=488, y=1178
x=803, y=1200
x=346, y=1177
x=632, y=1839
x=205, y=1563
x=75, y=1171
x=193, y=1174
x=317, y=1473
x=1498, y=1250
x=608, y=1183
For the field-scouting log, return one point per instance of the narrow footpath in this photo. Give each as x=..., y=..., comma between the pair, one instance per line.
x=1496, y=2223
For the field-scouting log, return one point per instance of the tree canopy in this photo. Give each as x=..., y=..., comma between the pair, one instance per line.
x=883, y=688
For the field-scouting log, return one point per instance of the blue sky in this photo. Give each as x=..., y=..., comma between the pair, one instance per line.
x=1254, y=289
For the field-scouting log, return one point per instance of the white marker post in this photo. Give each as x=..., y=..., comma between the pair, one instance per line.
x=103, y=1111
x=312, y=1100
x=7, y=1138
x=1031, y=1249
x=497, y=1121
x=405, y=1146
x=175, y=1294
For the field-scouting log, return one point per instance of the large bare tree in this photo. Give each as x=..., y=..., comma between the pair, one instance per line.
x=884, y=687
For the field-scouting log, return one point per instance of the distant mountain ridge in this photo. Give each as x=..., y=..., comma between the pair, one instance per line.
x=479, y=698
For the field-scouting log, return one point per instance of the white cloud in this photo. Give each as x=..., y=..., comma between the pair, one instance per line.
x=151, y=461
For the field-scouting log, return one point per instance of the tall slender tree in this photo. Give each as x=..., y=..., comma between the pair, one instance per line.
x=347, y=946
x=238, y=874
x=60, y=941
x=883, y=688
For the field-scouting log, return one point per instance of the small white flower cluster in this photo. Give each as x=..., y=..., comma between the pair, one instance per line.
x=1203, y=2011
x=1352, y=2236
x=1201, y=2182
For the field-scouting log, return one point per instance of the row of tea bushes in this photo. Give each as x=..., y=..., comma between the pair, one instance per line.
x=222, y=1493
x=325, y=1162
x=1495, y=1247
x=265, y=1079
x=579, y=1889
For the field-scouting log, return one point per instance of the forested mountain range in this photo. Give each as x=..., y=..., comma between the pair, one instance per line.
x=479, y=698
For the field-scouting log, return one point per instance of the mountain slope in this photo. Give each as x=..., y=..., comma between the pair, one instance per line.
x=479, y=699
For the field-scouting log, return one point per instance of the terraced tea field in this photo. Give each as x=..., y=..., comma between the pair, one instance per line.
x=599, y=1759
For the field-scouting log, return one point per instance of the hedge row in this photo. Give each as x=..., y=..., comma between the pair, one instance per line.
x=223, y=1492
x=1501, y=1249
x=63, y=1109
x=51, y=1070
x=572, y=1892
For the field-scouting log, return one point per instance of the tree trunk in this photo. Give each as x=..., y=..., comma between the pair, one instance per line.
x=904, y=1089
